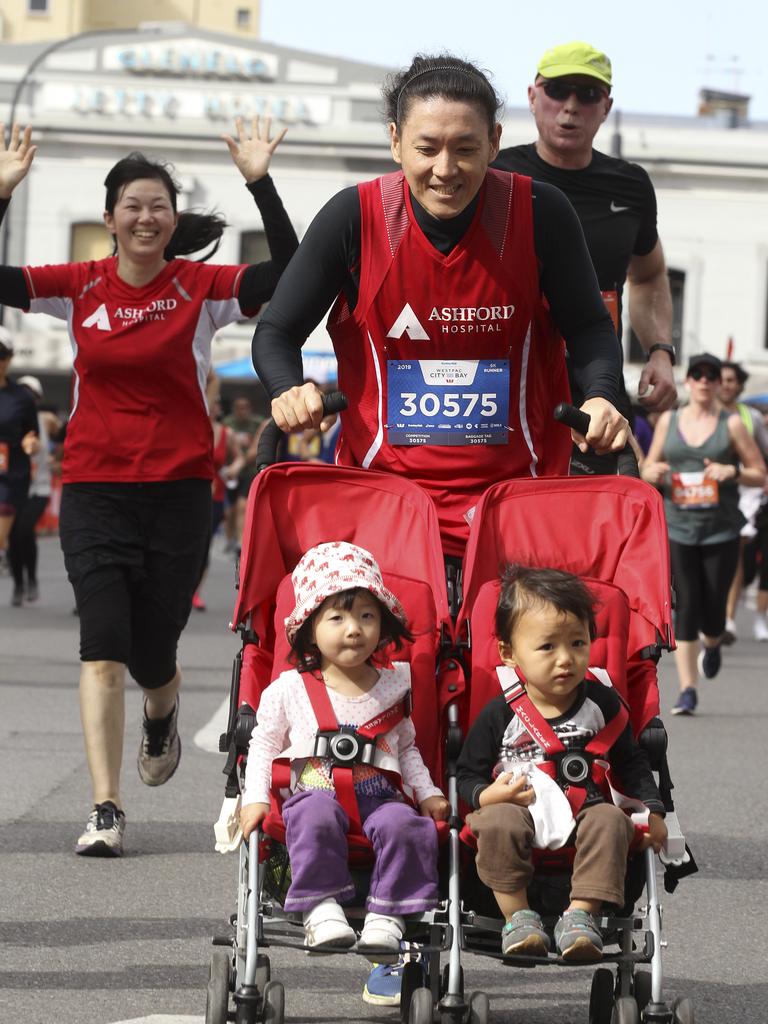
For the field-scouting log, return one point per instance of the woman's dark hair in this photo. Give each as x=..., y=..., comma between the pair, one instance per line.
x=305, y=655
x=443, y=75
x=524, y=588
x=194, y=231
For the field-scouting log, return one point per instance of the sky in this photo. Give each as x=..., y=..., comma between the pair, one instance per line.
x=662, y=52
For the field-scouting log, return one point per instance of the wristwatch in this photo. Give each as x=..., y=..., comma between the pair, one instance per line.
x=661, y=347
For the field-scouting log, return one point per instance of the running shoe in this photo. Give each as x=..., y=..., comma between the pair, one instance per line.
x=103, y=836
x=709, y=661
x=761, y=629
x=386, y=980
x=730, y=633
x=160, y=748
x=32, y=591
x=578, y=937
x=17, y=597
x=686, y=702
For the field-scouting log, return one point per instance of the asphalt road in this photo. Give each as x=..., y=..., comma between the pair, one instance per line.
x=97, y=942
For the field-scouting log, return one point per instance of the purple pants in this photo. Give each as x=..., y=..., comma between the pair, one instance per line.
x=404, y=876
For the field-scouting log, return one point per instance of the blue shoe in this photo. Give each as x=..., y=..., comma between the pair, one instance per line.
x=709, y=661
x=386, y=980
x=686, y=702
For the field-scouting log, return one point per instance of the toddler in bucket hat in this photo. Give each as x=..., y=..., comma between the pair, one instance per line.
x=329, y=569
x=360, y=771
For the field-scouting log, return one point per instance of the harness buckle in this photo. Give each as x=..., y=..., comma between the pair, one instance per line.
x=344, y=747
x=574, y=768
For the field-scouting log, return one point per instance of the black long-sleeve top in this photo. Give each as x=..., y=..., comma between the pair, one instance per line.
x=328, y=259
x=489, y=746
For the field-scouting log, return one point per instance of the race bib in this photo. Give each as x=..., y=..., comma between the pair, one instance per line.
x=4, y=457
x=693, y=490
x=447, y=401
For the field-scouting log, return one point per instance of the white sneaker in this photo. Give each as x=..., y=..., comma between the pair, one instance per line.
x=761, y=628
x=103, y=835
x=380, y=938
x=326, y=927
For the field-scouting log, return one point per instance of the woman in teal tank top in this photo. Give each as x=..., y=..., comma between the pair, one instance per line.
x=698, y=457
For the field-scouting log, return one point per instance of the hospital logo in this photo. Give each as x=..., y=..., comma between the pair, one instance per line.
x=98, y=319
x=408, y=323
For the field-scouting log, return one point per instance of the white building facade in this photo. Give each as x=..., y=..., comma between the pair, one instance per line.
x=171, y=91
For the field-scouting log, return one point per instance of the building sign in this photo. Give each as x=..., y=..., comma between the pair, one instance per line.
x=200, y=104
x=190, y=58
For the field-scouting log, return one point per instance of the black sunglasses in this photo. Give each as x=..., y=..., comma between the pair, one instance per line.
x=711, y=375
x=586, y=94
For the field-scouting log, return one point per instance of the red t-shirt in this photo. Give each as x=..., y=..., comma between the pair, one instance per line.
x=140, y=359
x=450, y=362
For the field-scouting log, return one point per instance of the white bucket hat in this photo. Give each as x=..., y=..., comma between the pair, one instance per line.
x=329, y=569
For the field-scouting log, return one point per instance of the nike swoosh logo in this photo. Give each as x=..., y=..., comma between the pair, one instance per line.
x=617, y=209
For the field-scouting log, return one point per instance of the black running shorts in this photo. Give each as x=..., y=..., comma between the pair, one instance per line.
x=134, y=554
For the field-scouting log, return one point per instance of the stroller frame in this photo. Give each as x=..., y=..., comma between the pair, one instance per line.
x=629, y=997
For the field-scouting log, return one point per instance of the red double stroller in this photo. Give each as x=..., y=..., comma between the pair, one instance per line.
x=609, y=530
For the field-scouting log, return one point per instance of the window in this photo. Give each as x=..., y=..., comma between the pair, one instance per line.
x=253, y=247
x=38, y=7
x=89, y=242
x=243, y=17
x=677, y=287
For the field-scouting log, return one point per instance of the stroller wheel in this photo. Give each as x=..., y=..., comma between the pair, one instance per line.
x=601, y=997
x=444, y=986
x=641, y=989
x=413, y=980
x=421, y=1007
x=683, y=1010
x=479, y=1008
x=217, y=995
x=625, y=1011
x=263, y=972
x=274, y=1003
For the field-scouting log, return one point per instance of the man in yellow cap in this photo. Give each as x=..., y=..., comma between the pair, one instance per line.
x=615, y=201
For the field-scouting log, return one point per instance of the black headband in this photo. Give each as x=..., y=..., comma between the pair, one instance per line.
x=427, y=71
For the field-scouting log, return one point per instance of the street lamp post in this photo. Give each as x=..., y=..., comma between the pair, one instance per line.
x=23, y=81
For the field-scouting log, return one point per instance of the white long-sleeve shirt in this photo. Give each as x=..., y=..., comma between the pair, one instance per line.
x=287, y=726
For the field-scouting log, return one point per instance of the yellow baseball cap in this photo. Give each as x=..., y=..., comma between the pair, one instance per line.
x=576, y=58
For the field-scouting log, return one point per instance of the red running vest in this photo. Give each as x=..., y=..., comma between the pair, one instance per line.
x=450, y=362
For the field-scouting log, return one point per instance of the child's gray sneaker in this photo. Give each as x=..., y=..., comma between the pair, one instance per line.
x=578, y=937
x=524, y=935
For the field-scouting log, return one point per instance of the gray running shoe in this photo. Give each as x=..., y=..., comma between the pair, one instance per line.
x=578, y=937
x=524, y=935
x=160, y=748
x=103, y=836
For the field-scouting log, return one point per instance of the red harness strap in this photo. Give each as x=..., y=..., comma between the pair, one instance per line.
x=328, y=723
x=542, y=733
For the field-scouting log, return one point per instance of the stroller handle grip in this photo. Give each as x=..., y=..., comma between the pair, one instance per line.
x=578, y=420
x=266, y=452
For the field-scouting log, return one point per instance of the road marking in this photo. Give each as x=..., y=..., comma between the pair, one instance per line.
x=163, y=1018
x=207, y=738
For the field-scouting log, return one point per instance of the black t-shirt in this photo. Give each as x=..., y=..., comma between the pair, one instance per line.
x=614, y=200
x=18, y=415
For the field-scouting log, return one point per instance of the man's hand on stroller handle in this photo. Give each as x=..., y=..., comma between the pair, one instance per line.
x=300, y=408
x=508, y=788
x=251, y=816
x=435, y=807
x=608, y=430
x=656, y=834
